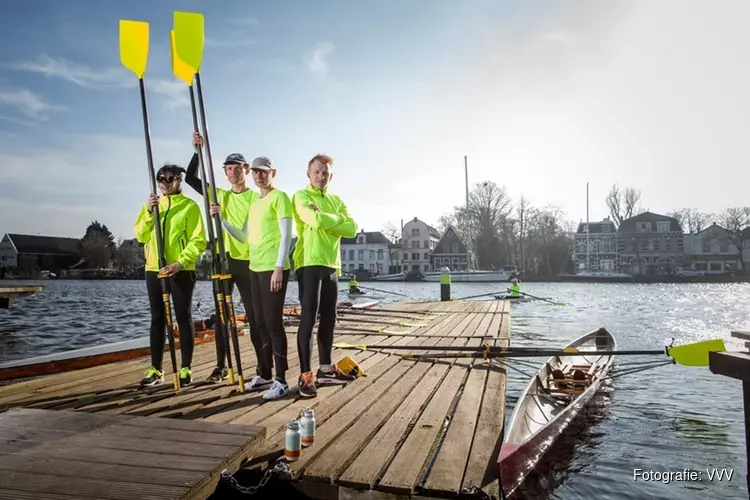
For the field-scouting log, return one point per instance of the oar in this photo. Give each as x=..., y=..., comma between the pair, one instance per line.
x=134, y=42
x=477, y=296
x=189, y=38
x=541, y=298
x=695, y=354
x=383, y=291
x=185, y=73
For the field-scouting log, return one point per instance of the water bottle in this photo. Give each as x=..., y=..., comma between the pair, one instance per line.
x=307, y=427
x=293, y=446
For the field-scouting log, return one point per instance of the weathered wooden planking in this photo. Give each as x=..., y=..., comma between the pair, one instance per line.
x=367, y=430
x=446, y=476
x=56, y=454
x=408, y=467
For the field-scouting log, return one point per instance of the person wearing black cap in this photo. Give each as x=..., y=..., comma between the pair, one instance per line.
x=184, y=240
x=235, y=204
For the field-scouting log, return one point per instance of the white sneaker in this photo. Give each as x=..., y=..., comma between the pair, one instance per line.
x=257, y=383
x=276, y=391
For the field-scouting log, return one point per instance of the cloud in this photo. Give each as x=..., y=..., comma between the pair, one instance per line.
x=230, y=40
x=29, y=103
x=107, y=78
x=317, y=59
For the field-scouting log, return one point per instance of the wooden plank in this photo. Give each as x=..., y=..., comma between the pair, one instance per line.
x=105, y=489
x=481, y=470
x=93, y=470
x=422, y=378
x=735, y=365
x=446, y=474
x=116, y=457
x=406, y=468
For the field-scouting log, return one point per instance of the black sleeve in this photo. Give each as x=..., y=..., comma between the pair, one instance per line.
x=191, y=176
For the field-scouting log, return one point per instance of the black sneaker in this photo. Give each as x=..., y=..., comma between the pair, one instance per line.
x=186, y=376
x=306, y=385
x=335, y=376
x=218, y=375
x=152, y=377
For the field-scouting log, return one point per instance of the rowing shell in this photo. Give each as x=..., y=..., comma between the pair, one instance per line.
x=553, y=397
x=88, y=357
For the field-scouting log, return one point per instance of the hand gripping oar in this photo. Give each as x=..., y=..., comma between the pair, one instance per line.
x=695, y=354
x=185, y=73
x=541, y=298
x=189, y=37
x=134, y=40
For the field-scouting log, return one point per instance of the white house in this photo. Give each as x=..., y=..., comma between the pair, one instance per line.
x=602, y=246
x=366, y=251
x=418, y=239
x=711, y=251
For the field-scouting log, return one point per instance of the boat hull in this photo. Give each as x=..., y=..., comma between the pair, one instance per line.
x=540, y=417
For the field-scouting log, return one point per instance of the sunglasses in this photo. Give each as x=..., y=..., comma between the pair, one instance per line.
x=168, y=179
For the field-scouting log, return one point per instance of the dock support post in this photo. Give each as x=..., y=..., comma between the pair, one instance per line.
x=5, y=302
x=445, y=287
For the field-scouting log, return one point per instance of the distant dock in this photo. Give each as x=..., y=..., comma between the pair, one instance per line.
x=407, y=428
x=8, y=293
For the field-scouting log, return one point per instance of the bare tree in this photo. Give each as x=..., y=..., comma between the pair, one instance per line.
x=692, y=220
x=391, y=232
x=623, y=204
x=737, y=223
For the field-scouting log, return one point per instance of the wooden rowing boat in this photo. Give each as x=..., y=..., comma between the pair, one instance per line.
x=88, y=357
x=553, y=397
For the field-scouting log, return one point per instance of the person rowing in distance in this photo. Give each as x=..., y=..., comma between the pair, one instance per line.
x=184, y=240
x=515, y=288
x=235, y=203
x=354, y=287
x=322, y=220
x=268, y=232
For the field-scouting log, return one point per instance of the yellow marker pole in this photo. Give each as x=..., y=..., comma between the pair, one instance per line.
x=188, y=42
x=134, y=40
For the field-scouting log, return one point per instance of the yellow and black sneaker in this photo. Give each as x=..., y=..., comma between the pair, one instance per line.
x=152, y=377
x=185, y=376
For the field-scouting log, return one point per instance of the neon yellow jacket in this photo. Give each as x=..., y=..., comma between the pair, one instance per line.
x=319, y=233
x=182, y=230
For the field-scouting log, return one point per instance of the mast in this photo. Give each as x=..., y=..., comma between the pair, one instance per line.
x=587, y=227
x=466, y=177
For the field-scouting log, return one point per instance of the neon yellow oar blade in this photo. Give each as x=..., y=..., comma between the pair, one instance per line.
x=179, y=68
x=134, y=46
x=188, y=38
x=344, y=345
x=696, y=354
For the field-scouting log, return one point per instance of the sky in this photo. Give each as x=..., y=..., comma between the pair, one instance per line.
x=541, y=96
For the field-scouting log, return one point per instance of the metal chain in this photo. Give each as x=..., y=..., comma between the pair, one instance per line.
x=280, y=468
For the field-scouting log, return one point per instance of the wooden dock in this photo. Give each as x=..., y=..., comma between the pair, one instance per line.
x=407, y=428
x=8, y=293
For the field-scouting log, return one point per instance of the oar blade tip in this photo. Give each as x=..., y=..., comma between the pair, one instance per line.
x=696, y=354
x=179, y=68
x=134, y=39
x=189, y=38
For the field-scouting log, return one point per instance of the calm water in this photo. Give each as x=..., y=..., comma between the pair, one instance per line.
x=668, y=419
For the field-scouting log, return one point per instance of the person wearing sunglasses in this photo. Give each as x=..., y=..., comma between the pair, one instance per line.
x=322, y=220
x=268, y=231
x=235, y=203
x=184, y=240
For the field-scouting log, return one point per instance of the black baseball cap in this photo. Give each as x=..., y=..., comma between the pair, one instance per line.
x=235, y=159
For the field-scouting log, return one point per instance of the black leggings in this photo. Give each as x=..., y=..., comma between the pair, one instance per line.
x=180, y=287
x=269, y=316
x=240, y=271
x=319, y=294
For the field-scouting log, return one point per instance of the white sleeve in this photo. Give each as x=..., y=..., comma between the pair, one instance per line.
x=238, y=234
x=285, y=225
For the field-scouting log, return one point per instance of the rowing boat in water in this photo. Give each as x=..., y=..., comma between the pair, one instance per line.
x=553, y=397
x=89, y=357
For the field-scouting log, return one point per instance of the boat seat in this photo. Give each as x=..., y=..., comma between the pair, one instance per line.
x=567, y=390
